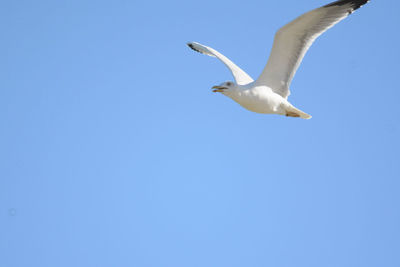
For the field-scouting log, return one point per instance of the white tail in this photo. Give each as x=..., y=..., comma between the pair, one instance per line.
x=294, y=112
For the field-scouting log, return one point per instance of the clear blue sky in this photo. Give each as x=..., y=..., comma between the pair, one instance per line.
x=115, y=152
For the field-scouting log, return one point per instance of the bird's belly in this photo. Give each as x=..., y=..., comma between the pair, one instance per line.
x=258, y=107
x=267, y=104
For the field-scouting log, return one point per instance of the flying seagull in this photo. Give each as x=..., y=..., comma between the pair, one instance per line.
x=269, y=93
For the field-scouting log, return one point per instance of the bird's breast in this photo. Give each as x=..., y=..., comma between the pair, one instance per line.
x=260, y=100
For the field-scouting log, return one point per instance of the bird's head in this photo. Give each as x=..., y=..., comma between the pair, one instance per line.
x=224, y=87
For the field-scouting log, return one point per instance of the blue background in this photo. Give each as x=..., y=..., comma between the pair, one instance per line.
x=115, y=152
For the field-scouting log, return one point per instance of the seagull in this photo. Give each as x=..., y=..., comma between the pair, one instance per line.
x=269, y=93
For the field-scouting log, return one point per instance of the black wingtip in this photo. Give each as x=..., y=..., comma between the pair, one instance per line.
x=190, y=45
x=353, y=4
x=193, y=47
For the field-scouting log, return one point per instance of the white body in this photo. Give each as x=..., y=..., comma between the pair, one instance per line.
x=262, y=99
x=259, y=99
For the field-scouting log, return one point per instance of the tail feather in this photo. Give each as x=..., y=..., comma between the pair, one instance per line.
x=294, y=112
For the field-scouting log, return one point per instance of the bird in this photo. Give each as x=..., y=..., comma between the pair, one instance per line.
x=269, y=93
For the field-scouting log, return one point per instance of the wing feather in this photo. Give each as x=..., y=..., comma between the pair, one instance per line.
x=240, y=76
x=293, y=40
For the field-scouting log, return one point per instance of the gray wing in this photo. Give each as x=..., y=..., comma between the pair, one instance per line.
x=294, y=39
x=240, y=76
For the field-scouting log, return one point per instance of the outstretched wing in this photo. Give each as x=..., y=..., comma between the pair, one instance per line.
x=240, y=76
x=294, y=39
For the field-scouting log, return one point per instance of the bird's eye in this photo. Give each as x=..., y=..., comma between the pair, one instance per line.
x=229, y=83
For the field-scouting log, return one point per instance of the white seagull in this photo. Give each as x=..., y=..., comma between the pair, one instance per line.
x=269, y=93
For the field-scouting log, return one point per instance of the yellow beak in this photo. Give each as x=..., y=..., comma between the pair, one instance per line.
x=218, y=89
